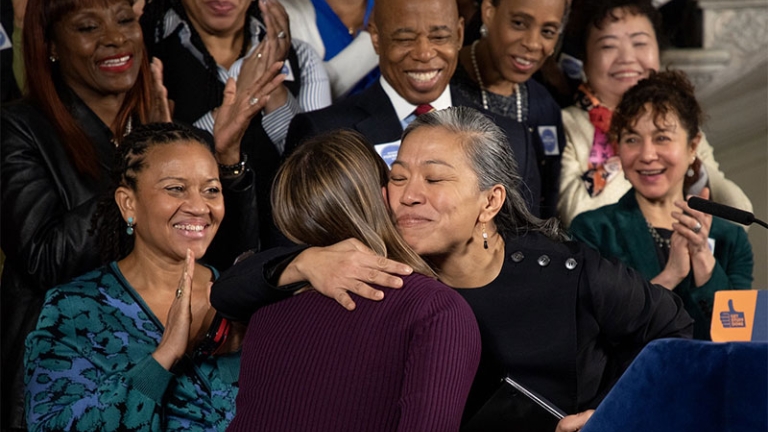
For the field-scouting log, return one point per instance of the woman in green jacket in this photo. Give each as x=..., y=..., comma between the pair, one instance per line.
x=651, y=228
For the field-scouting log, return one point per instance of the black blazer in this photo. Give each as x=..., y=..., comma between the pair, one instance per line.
x=372, y=114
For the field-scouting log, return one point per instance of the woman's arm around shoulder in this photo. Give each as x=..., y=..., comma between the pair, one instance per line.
x=334, y=271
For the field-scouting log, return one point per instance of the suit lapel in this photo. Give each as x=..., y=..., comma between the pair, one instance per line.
x=381, y=124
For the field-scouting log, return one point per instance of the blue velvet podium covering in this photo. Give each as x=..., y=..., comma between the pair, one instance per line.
x=679, y=385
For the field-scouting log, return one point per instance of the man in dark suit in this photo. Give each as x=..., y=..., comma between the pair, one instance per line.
x=418, y=44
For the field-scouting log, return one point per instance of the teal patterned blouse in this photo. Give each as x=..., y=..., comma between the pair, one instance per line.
x=89, y=366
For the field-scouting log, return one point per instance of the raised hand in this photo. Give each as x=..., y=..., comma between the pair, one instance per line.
x=278, y=26
x=241, y=102
x=347, y=266
x=174, y=342
x=678, y=265
x=694, y=227
x=161, y=106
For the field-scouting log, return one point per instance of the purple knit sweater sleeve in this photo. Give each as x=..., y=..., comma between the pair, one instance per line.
x=405, y=363
x=442, y=360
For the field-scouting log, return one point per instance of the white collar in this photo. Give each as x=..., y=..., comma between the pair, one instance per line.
x=403, y=108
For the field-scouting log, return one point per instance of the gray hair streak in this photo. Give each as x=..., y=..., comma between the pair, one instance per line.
x=491, y=158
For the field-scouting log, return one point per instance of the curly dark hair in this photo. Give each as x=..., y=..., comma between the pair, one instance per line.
x=666, y=92
x=112, y=238
x=589, y=14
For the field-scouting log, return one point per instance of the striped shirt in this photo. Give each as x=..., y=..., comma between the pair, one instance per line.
x=315, y=91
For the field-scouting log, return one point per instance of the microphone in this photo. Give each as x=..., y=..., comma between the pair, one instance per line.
x=723, y=211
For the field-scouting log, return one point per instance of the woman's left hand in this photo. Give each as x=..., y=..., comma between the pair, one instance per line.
x=241, y=102
x=161, y=107
x=694, y=226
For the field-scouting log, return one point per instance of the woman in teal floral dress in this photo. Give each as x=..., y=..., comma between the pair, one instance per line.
x=125, y=346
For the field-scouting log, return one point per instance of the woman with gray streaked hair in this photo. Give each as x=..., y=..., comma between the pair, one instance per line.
x=553, y=314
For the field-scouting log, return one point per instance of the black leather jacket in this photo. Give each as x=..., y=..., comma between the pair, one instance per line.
x=46, y=215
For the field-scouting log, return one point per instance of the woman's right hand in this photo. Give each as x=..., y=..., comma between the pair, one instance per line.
x=347, y=266
x=173, y=345
x=678, y=265
x=161, y=107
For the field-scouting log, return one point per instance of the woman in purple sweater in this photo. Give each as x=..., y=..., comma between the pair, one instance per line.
x=403, y=364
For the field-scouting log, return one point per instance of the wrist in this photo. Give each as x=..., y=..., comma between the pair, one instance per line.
x=293, y=272
x=233, y=169
x=667, y=279
x=164, y=358
x=277, y=98
x=703, y=265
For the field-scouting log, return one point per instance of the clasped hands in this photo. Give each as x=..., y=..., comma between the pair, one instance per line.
x=689, y=247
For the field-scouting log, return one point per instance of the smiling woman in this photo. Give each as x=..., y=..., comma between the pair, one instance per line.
x=517, y=37
x=619, y=46
x=89, y=83
x=651, y=228
x=132, y=334
x=88, y=80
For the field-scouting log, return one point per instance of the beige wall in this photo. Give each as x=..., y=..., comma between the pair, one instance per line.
x=737, y=127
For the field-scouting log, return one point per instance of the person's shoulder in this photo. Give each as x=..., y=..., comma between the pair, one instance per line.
x=426, y=290
x=22, y=111
x=574, y=113
x=87, y=283
x=600, y=214
x=722, y=229
x=345, y=111
x=539, y=94
x=80, y=291
x=537, y=242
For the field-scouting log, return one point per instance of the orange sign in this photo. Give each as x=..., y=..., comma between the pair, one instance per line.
x=733, y=315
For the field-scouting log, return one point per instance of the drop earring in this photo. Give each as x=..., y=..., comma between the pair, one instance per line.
x=483, y=31
x=130, y=224
x=485, y=238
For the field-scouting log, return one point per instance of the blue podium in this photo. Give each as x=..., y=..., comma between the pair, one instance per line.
x=677, y=385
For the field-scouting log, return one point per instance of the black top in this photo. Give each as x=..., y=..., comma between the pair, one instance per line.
x=559, y=318
x=542, y=121
x=565, y=322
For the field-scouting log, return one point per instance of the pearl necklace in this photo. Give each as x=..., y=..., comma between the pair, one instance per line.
x=661, y=241
x=484, y=95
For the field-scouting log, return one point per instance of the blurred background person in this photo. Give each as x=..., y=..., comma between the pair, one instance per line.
x=405, y=363
x=517, y=37
x=202, y=44
x=88, y=83
x=651, y=228
x=619, y=45
x=337, y=31
x=124, y=346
